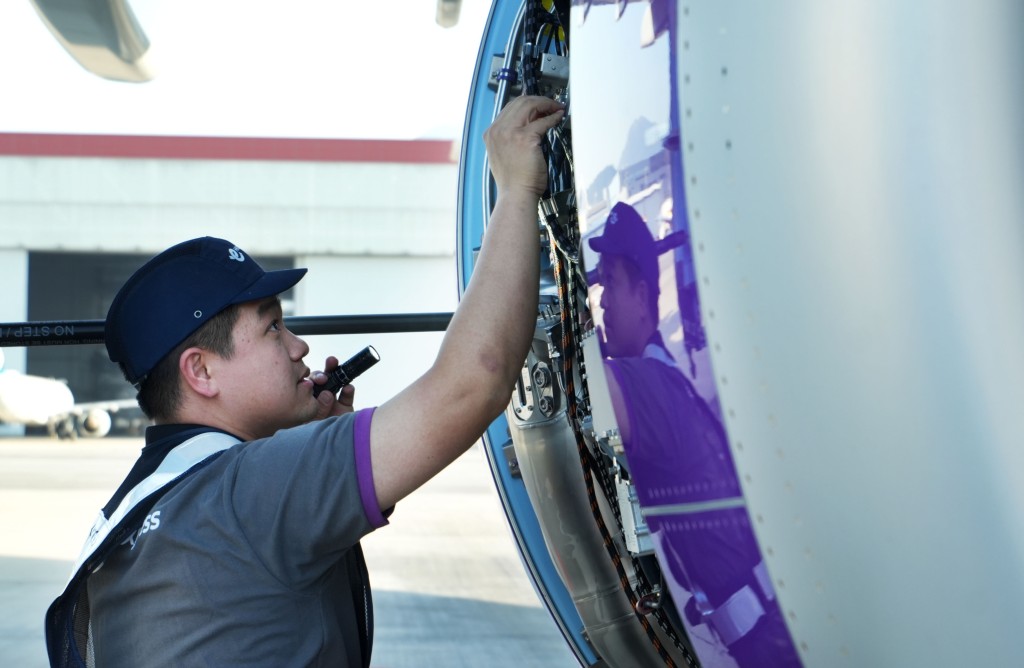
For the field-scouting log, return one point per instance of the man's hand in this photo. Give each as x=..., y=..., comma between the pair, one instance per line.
x=513, y=144
x=327, y=404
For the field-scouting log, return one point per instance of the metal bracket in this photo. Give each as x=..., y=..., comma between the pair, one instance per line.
x=511, y=459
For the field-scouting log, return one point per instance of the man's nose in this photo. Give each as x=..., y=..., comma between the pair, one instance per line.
x=299, y=347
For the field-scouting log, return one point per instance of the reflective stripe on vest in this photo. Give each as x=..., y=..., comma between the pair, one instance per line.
x=179, y=460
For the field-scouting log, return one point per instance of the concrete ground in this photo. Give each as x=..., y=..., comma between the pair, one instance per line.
x=449, y=588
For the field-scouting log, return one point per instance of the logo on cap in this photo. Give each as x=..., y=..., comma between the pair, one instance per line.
x=235, y=254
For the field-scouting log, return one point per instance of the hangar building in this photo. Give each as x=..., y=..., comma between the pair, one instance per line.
x=373, y=220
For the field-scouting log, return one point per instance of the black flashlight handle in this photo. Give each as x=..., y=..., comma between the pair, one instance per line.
x=348, y=371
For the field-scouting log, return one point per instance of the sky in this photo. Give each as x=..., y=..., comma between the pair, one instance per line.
x=305, y=68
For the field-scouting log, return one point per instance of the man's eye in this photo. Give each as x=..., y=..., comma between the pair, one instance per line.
x=275, y=326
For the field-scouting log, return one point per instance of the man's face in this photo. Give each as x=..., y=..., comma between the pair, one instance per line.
x=265, y=383
x=624, y=303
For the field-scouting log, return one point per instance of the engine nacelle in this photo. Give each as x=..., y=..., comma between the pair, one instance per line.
x=94, y=423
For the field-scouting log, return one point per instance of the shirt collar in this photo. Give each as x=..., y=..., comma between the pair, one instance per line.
x=160, y=439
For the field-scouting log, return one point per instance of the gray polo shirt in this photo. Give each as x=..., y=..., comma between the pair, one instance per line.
x=247, y=561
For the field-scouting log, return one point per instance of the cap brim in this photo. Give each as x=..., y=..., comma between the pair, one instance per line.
x=270, y=284
x=600, y=244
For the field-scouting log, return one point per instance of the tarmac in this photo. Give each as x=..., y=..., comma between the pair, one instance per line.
x=449, y=588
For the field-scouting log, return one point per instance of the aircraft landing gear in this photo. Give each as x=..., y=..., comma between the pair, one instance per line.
x=63, y=429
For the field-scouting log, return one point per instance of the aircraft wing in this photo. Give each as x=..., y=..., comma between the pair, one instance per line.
x=111, y=406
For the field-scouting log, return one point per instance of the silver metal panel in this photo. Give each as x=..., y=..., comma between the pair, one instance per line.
x=854, y=173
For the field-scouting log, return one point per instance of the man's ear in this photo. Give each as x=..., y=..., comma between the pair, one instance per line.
x=643, y=294
x=192, y=364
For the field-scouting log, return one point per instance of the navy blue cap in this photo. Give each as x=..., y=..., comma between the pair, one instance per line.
x=173, y=294
x=626, y=234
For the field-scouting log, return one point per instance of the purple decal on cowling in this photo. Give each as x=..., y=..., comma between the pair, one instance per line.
x=677, y=455
x=729, y=607
x=646, y=310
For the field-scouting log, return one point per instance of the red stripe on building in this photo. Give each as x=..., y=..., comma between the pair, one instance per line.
x=418, y=151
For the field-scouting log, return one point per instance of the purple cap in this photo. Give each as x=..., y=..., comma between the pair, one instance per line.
x=173, y=294
x=626, y=234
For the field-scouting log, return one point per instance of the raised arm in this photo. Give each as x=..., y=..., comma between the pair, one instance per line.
x=437, y=418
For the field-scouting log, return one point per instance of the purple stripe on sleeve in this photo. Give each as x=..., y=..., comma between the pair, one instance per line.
x=364, y=469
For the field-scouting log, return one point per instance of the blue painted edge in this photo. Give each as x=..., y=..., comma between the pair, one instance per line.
x=470, y=207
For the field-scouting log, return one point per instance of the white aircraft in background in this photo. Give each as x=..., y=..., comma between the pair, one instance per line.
x=47, y=402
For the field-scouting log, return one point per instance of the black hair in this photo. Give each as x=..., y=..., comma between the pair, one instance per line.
x=160, y=394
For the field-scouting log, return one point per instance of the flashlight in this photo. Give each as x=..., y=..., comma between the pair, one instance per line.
x=348, y=371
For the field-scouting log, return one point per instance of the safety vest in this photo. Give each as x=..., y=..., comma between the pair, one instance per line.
x=68, y=638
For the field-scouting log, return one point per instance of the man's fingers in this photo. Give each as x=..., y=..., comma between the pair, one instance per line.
x=528, y=108
x=548, y=121
x=347, y=395
x=534, y=104
x=522, y=117
x=543, y=107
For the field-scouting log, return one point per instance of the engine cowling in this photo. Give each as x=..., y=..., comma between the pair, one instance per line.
x=94, y=423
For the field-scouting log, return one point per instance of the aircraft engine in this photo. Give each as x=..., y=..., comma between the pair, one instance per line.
x=94, y=423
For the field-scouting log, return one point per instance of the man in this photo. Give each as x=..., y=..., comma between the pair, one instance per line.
x=235, y=538
x=678, y=455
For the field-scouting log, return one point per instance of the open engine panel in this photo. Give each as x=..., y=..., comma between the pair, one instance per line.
x=551, y=417
x=635, y=531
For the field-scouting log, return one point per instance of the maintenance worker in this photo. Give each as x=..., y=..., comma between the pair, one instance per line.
x=234, y=540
